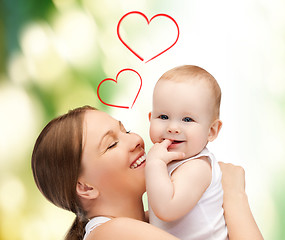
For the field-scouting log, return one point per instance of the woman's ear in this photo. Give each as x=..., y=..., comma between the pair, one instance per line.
x=149, y=116
x=86, y=191
x=214, y=130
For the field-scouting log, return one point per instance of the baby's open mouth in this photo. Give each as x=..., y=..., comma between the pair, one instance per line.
x=177, y=141
x=174, y=141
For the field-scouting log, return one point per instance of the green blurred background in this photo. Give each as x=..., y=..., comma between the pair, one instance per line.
x=53, y=55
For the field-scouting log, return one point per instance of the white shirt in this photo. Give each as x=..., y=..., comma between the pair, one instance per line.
x=206, y=219
x=93, y=223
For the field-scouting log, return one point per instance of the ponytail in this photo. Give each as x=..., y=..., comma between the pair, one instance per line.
x=77, y=229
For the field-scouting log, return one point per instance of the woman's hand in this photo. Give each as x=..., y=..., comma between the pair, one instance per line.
x=233, y=180
x=239, y=219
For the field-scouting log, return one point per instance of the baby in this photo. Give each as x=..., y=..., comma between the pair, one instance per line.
x=183, y=179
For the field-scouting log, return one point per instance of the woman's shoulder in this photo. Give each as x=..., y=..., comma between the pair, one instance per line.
x=118, y=228
x=121, y=223
x=128, y=228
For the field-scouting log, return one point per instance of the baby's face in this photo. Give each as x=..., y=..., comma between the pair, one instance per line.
x=183, y=113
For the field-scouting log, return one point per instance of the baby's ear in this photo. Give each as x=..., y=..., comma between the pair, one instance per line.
x=149, y=116
x=86, y=191
x=214, y=130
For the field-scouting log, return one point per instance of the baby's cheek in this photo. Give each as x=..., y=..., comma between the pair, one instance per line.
x=196, y=141
x=153, y=135
x=199, y=143
x=154, y=131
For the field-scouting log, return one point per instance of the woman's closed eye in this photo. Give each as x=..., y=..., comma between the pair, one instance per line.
x=114, y=144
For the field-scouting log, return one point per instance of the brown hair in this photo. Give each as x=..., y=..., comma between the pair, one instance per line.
x=56, y=165
x=187, y=73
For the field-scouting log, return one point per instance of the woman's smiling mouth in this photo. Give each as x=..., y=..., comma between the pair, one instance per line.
x=138, y=162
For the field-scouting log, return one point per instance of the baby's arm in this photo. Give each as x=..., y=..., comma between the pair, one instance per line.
x=171, y=198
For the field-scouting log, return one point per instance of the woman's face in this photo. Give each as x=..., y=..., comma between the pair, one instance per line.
x=109, y=156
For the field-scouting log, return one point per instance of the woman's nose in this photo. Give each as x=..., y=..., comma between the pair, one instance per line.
x=136, y=142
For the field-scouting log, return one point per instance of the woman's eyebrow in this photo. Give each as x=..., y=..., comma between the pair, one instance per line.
x=109, y=132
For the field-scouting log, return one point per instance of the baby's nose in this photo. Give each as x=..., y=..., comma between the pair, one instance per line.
x=173, y=130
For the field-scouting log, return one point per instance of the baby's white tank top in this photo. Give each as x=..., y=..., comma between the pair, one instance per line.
x=206, y=219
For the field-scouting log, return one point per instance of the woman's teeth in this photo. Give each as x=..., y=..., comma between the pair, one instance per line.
x=138, y=162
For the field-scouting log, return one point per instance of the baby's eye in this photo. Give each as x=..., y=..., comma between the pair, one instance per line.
x=128, y=131
x=187, y=119
x=163, y=117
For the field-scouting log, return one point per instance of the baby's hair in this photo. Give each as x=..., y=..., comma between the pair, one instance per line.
x=191, y=73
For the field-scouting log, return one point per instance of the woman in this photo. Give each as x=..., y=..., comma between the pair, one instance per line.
x=86, y=162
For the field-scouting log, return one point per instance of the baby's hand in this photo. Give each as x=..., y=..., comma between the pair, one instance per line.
x=159, y=152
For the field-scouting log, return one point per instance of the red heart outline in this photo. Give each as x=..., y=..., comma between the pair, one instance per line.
x=116, y=81
x=148, y=22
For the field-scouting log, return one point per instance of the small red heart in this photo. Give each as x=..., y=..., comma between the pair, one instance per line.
x=148, y=22
x=116, y=81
